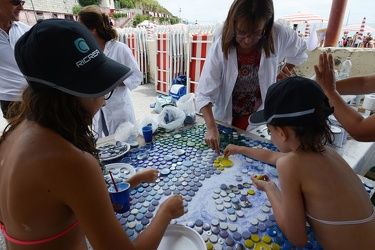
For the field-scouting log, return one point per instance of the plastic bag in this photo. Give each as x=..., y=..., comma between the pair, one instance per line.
x=181, y=79
x=171, y=118
x=177, y=91
x=126, y=132
x=147, y=121
x=162, y=101
x=187, y=104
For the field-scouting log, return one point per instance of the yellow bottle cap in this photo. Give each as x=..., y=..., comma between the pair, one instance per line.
x=226, y=163
x=267, y=239
x=251, y=192
x=209, y=246
x=275, y=246
x=262, y=246
x=249, y=243
x=255, y=237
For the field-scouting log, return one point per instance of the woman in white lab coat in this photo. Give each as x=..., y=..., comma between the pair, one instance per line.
x=242, y=63
x=119, y=108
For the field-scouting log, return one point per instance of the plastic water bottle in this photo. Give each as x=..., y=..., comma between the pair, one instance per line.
x=345, y=69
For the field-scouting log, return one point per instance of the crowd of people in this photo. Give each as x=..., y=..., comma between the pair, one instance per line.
x=366, y=41
x=57, y=109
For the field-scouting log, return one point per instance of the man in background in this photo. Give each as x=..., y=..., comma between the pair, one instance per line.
x=12, y=81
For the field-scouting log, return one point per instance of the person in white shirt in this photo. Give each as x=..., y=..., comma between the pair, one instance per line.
x=242, y=63
x=12, y=81
x=119, y=108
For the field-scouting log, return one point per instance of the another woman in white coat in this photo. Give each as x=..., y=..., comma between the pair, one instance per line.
x=119, y=107
x=242, y=63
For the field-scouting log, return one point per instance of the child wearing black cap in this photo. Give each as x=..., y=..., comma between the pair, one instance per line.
x=316, y=184
x=52, y=191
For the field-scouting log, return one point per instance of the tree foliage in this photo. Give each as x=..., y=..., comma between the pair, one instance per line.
x=139, y=18
x=76, y=9
x=128, y=4
x=84, y=3
x=151, y=5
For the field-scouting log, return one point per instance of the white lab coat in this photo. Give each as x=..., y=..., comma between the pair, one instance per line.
x=119, y=108
x=219, y=74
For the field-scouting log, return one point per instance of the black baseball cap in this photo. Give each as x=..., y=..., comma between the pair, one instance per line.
x=63, y=54
x=293, y=102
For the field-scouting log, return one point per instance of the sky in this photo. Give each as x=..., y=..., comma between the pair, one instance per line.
x=215, y=11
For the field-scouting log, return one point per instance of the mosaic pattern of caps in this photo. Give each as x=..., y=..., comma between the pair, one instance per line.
x=221, y=205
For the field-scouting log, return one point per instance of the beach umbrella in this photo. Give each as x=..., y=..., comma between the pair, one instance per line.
x=304, y=18
x=357, y=27
x=307, y=29
x=361, y=30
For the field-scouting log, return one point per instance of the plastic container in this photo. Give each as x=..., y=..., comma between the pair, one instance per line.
x=345, y=68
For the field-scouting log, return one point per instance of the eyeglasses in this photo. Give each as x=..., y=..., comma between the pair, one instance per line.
x=107, y=96
x=242, y=35
x=17, y=2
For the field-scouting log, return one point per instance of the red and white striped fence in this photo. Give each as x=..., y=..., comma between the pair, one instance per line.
x=180, y=50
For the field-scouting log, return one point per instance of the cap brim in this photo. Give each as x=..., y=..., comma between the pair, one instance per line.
x=257, y=118
x=100, y=81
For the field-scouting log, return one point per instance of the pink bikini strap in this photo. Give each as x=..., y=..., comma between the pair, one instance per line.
x=34, y=242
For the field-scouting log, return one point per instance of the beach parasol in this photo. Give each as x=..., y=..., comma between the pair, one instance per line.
x=361, y=30
x=304, y=18
x=307, y=29
x=357, y=27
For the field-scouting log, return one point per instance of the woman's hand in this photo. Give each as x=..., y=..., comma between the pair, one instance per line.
x=285, y=73
x=212, y=139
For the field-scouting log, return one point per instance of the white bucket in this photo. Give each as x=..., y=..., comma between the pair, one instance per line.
x=336, y=123
x=338, y=138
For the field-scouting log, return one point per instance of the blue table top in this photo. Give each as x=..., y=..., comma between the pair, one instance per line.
x=219, y=204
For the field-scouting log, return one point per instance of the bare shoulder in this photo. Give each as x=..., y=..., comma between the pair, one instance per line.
x=297, y=163
x=47, y=152
x=288, y=160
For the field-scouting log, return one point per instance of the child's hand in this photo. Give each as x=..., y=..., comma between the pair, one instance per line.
x=148, y=175
x=173, y=206
x=261, y=182
x=231, y=149
x=325, y=74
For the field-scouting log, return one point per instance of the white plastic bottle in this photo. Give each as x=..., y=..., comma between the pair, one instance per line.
x=345, y=68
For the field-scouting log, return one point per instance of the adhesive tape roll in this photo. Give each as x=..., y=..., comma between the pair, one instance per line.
x=369, y=102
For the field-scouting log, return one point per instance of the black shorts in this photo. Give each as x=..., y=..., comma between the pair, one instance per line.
x=4, y=108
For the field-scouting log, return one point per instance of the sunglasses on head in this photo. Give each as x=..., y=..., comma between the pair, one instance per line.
x=17, y=2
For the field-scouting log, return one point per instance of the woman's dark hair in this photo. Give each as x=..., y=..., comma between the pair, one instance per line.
x=316, y=136
x=56, y=110
x=249, y=14
x=93, y=18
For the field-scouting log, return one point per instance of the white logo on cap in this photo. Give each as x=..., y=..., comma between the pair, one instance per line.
x=81, y=45
x=87, y=58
